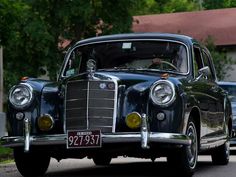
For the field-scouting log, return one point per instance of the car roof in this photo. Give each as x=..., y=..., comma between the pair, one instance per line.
x=134, y=36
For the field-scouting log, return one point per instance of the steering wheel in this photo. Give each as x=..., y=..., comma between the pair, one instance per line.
x=160, y=65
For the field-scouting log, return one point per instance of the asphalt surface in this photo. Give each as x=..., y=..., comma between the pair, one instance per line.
x=125, y=167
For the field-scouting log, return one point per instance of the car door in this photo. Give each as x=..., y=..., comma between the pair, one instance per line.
x=207, y=96
x=216, y=109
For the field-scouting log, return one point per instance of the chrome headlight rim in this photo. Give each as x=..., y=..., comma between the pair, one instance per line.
x=173, y=96
x=30, y=99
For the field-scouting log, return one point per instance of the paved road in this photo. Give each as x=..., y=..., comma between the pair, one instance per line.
x=125, y=167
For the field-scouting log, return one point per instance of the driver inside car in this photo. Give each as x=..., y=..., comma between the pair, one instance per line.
x=177, y=63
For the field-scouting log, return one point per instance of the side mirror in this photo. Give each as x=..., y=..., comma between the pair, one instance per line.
x=205, y=71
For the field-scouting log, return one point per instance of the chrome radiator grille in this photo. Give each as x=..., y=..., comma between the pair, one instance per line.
x=90, y=105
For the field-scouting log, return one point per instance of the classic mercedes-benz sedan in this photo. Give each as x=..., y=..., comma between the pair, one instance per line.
x=137, y=95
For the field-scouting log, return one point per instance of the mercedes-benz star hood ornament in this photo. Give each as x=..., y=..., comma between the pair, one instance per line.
x=91, y=67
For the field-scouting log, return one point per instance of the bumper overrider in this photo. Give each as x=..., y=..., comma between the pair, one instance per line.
x=144, y=137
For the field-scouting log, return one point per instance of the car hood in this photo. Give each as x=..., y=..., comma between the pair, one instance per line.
x=138, y=80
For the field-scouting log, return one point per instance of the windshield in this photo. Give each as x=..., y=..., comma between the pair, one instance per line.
x=139, y=55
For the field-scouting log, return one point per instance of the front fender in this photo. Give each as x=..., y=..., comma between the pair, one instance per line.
x=52, y=104
x=32, y=112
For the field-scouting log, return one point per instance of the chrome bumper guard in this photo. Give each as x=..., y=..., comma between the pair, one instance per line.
x=144, y=137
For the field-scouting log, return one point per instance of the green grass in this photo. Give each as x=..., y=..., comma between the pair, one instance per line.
x=5, y=155
x=6, y=161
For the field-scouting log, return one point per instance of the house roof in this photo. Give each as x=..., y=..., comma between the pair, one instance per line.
x=220, y=24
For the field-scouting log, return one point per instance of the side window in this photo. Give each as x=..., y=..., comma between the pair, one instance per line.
x=206, y=60
x=73, y=64
x=197, y=62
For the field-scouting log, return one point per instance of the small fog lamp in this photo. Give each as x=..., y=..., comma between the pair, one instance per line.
x=20, y=115
x=45, y=122
x=133, y=120
x=161, y=116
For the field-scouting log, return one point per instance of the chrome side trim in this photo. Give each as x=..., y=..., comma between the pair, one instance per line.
x=60, y=139
x=207, y=143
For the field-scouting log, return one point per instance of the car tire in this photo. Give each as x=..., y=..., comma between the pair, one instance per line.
x=185, y=159
x=102, y=160
x=220, y=155
x=31, y=163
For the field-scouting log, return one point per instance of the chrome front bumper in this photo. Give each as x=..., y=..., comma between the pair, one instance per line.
x=144, y=137
x=60, y=139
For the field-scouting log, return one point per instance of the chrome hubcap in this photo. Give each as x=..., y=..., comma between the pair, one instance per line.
x=192, y=149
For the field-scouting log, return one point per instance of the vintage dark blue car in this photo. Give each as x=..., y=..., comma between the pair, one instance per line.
x=137, y=95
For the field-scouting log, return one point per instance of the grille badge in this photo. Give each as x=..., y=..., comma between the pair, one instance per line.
x=102, y=85
x=111, y=86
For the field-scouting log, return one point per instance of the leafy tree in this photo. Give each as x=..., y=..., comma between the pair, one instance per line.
x=218, y=4
x=37, y=27
x=11, y=13
x=214, y=4
x=166, y=6
x=30, y=30
x=222, y=62
x=171, y=6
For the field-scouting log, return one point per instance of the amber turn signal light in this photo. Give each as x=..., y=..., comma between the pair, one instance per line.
x=133, y=120
x=45, y=122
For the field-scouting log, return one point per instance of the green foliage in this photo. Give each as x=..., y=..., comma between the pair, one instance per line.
x=218, y=4
x=10, y=15
x=171, y=6
x=32, y=29
x=165, y=6
x=221, y=61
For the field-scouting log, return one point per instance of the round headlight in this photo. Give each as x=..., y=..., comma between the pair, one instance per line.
x=21, y=95
x=163, y=93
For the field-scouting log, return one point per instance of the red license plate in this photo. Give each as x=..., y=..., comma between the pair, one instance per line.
x=83, y=139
